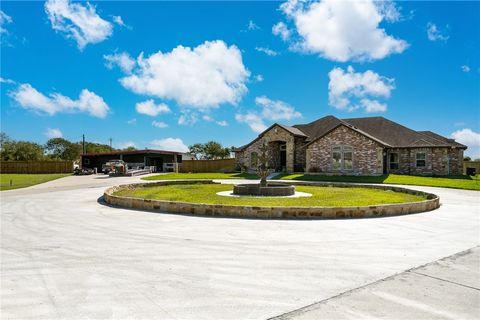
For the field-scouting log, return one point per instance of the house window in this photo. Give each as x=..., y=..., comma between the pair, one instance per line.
x=253, y=159
x=86, y=161
x=420, y=159
x=337, y=158
x=342, y=158
x=394, y=160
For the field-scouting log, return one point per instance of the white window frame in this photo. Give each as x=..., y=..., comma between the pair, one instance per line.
x=342, y=149
x=424, y=159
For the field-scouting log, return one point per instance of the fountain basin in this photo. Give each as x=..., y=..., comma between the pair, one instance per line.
x=271, y=190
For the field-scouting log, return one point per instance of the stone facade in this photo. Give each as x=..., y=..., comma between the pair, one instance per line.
x=290, y=150
x=365, y=153
x=438, y=161
x=274, y=137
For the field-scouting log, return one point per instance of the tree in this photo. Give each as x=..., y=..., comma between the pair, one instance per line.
x=6, y=147
x=25, y=150
x=209, y=151
x=197, y=150
x=130, y=148
x=467, y=158
x=60, y=148
x=93, y=147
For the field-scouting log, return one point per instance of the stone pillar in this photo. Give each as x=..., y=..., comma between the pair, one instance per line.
x=290, y=153
x=307, y=160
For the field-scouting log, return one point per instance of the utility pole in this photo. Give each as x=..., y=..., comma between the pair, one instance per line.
x=110, y=144
x=83, y=144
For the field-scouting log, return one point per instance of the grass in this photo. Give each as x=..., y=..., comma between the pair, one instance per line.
x=321, y=196
x=457, y=182
x=181, y=176
x=15, y=181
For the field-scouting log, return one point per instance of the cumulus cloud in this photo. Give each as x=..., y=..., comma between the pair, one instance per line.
x=187, y=118
x=122, y=60
x=276, y=109
x=280, y=29
x=150, y=108
x=78, y=22
x=258, y=78
x=341, y=30
x=208, y=118
x=465, y=68
x=267, y=51
x=30, y=98
x=51, y=133
x=159, y=124
x=434, y=34
x=202, y=78
x=252, y=25
x=253, y=120
x=170, y=144
x=6, y=81
x=271, y=110
x=4, y=20
x=467, y=137
x=351, y=90
x=222, y=123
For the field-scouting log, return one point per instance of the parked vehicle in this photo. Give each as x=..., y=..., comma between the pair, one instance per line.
x=114, y=166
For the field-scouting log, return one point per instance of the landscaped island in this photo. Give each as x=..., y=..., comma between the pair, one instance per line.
x=321, y=196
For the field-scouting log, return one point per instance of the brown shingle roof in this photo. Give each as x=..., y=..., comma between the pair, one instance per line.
x=386, y=132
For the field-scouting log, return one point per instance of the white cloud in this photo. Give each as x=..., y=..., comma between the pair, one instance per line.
x=280, y=29
x=123, y=60
x=208, y=118
x=276, y=110
x=159, y=124
x=467, y=137
x=132, y=121
x=465, y=68
x=125, y=145
x=389, y=10
x=342, y=30
x=119, y=21
x=170, y=144
x=187, y=118
x=271, y=110
x=51, y=133
x=434, y=34
x=4, y=19
x=202, y=78
x=253, y=120
x=78, y=22
x=6, y=81
x=267, y=51
x=150, y=108
x=345, y=88
x=222, y=123
x=252, y=25
x=258, y=78
x=29, y=98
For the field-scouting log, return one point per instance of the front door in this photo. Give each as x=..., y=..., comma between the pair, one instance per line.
x=283, y=160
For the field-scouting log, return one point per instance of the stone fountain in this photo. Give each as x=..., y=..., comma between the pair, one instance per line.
x=264, y=188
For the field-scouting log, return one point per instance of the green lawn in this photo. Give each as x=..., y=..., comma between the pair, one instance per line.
x=458, y=182
x=14, y=181
x=181, y=176
x=321, y=196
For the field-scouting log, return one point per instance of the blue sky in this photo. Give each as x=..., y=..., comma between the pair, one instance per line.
x=224, y=71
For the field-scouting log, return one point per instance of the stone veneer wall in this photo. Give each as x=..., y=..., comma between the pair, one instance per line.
x=432, y=202
x=438, y=161
x=365, y=153
x=269, y=136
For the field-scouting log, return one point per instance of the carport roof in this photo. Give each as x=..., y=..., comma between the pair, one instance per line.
x=124, y=152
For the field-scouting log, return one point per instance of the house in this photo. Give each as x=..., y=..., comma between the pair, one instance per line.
x=358, y=146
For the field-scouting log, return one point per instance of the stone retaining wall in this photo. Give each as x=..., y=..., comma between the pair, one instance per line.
x=432, y=202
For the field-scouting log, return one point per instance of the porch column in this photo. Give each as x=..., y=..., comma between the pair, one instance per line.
x=290, y=153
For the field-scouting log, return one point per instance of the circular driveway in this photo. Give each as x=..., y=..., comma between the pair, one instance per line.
x=65, y=255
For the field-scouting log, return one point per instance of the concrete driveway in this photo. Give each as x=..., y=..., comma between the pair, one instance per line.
x=66, y=256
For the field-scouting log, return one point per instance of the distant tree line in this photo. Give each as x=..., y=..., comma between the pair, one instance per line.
x=53, y=149
x=210, y=151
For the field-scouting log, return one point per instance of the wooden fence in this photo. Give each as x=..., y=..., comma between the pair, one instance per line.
x=222, y=165
x=36, y=166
